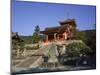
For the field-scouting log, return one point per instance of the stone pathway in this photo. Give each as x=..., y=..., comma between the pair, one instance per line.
x=26, y=63
x=33, y=59
x=36, y=58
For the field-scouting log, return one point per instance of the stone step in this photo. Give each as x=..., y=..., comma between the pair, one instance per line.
x=28, y=62
x=34, y=58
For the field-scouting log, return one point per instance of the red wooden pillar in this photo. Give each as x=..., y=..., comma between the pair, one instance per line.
x=46, y=38
x=64, y=35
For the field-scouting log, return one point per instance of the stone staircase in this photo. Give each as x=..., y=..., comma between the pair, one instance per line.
x=34, y=60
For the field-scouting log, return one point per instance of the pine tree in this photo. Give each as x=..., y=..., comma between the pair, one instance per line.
x=36, y=34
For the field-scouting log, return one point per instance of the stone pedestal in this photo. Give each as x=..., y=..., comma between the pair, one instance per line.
x=53, y=53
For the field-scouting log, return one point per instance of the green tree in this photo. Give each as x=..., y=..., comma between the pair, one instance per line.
x=36, y=34
x=78, y=35
x=75, y=49
x=90, y=39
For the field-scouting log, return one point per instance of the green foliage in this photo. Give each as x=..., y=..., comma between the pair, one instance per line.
x=75, y=49
x=36, y=35
x=32, y=48
x=90, y=39
x=22, y=46
x=87, y=36
x=27, y=39
x=77, y=34
x=14, y=46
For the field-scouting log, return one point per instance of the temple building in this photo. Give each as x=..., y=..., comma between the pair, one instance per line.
x=62, y=32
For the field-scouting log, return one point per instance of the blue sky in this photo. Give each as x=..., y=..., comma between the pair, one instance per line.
x=26, y=15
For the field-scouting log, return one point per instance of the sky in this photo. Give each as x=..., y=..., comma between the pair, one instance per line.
x=26, y=15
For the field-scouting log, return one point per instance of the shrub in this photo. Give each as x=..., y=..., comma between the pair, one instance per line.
x=75, y=49
x=32, y=48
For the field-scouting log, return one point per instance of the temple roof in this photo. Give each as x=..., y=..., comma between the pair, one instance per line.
x=68, y=21
x=58, y=29
x=51, y=30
